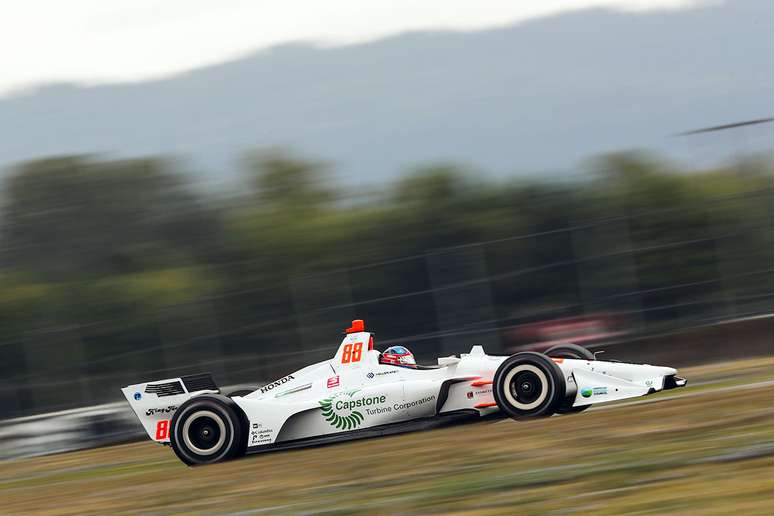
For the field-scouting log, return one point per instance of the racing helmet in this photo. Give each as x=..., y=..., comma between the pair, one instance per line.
x=399, y=356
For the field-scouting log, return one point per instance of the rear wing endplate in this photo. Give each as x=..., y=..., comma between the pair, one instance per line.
x=155, y=402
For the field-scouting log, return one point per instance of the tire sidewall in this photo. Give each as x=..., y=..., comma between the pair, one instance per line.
x=571, y=351
x=234, y=434
x=552, y=380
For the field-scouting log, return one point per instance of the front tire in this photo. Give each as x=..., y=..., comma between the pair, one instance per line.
x=207, y=429
x=575, y=352
x=528, y=385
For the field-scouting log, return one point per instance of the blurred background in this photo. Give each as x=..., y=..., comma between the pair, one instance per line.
x=187, y=189
x=119, y=271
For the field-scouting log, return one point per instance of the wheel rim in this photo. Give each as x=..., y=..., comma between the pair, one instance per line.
x=526, y=387
x=204, y=432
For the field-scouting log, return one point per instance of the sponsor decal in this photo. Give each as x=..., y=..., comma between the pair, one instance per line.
x=371, y=374
x=410, y=404
x=162, y=410
x=341, y=410
x=137, y=396
x=259, y=434
x=272, y=385
x=333, y=381
x=648, y=383
x=345, y=410
x=470, y=395
x=588, y=392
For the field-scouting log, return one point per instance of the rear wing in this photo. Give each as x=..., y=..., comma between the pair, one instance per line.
x=155, y=402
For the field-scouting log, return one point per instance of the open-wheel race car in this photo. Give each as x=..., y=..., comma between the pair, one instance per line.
x=361, y=392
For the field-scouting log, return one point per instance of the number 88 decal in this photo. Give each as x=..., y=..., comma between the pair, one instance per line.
x=352, y=353
x=162, y=430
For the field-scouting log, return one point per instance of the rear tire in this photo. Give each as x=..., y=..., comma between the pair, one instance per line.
x=575, y=352
x=240, y=393
x=207, y=429
x=528, y=385
x=572, y=351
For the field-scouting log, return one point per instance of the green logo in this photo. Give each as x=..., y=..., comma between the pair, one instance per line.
x=586, y=392
x=331, y=415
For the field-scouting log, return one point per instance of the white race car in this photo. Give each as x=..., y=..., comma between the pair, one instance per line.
x=355, y=395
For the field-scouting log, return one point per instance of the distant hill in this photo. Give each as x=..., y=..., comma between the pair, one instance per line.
x=536, y=96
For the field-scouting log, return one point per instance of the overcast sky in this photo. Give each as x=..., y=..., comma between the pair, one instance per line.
x=94, y=41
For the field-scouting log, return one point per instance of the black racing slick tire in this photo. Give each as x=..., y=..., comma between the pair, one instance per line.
x=208, y=429
x=572, y=351
x=528, y=385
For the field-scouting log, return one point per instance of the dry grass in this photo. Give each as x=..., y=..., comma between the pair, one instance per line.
x=712, y=453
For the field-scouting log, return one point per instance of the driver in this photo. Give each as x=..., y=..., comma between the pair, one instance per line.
x=399, y=356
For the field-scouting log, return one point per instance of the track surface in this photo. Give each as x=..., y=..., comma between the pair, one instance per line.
x=707, y=449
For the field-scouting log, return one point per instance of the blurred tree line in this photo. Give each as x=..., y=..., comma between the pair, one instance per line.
x=119, y=271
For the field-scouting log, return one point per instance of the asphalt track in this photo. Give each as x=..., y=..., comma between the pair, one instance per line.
x=706, y=449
